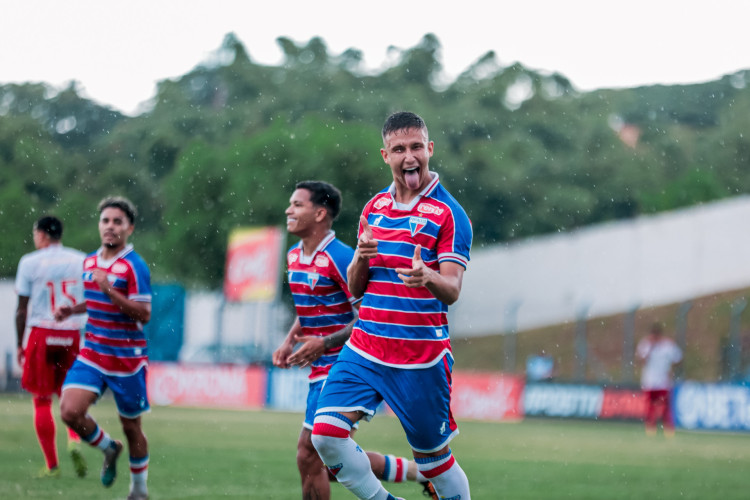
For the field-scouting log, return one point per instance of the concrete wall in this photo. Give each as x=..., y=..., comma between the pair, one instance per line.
x=606, y=269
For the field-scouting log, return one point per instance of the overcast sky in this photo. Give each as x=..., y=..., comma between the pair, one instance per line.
x=118, y=50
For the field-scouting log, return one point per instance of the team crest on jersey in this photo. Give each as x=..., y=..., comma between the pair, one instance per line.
x=322, y=261
x=416, y=224
x=312, y=280
x=335, y=468
x=119, y=268
x=426, y=208
x=292, y=258
x=383, y=202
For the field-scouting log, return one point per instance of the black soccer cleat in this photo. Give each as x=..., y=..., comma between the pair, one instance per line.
x=428, y=490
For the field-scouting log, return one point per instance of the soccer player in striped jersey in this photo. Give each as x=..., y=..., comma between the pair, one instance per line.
x=117, y=293
x=47, y=277
x=325, y=315
x=414, y=244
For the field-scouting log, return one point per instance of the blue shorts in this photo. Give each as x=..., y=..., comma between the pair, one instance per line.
x=313, y=394
x=129, y=391
x=420, y=398
x=312, y=403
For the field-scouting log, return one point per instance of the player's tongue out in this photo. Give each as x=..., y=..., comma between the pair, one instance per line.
x=411, y=177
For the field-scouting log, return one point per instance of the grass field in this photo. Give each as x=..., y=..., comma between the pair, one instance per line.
x=207, y=454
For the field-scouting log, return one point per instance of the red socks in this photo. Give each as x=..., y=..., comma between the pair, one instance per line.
x=44, y=424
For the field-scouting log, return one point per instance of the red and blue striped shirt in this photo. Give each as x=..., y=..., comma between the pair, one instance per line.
x=115, y=343
x=321, y=295
x=401, y=326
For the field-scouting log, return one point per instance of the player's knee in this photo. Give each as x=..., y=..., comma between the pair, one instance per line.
x=307, y=456
x=328, y=432
x=70, y=413
x=323, y=444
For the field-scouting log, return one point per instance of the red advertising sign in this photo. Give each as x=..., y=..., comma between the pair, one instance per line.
x=487, y=396
x=206, y=385
x=623, y=404
x=253, y=259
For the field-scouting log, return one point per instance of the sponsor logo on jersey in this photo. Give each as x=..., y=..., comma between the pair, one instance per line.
x=416, y=224
x=312, y=280
x=90, y=262
x=322, y=261
x=119, y=268
x=61, y=341
x=377, y=221
x=426, y=208
x=383, y=202
x=292, y=258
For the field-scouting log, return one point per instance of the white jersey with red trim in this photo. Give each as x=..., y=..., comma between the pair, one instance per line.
x=400, y=326
x=51, y=277
x=660, y=354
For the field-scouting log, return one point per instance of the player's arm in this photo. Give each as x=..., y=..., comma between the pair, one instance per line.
x=22, y=310
x=314, y=347
x=139, y=311
x=63, y=312
x=445, y=284
x=281, y=354
x=358, y=272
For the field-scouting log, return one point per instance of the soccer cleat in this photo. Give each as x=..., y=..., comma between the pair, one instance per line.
x=109, y=467
x=46, y=473
x=428, y=490
x=79, y=463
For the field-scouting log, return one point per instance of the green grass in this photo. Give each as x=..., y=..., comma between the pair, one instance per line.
x=208, y=454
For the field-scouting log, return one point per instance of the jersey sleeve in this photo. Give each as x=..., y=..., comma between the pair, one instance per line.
x=454, y=238
x=341, y=257
x=23, y=279
x=139, y=282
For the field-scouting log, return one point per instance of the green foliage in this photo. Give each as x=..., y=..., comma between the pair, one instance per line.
x=223, y=146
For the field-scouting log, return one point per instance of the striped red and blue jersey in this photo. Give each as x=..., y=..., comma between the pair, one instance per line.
x=115, y=343
x=321, y=295
x=400, y=326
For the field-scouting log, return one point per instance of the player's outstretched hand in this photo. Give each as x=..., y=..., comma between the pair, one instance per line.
x=419, y=274
x=367, y=246
x=311, y=349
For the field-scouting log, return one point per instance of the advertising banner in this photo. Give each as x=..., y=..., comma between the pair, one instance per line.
x=252, y=268
x=287, y=389
x=562, y=400
x=225, y=386
x=583, y=401
x=486, y=396
x=712, y=406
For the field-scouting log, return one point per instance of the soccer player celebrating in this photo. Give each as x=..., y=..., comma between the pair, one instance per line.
x=414, y=243
x=49, y=276
x=117, y=292
x=325, y=315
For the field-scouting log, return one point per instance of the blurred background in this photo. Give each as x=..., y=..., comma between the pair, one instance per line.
x=595, y=213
